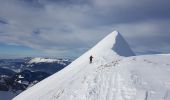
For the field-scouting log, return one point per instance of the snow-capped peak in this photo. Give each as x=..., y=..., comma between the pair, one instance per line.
x=114, y=41
x=42, y=60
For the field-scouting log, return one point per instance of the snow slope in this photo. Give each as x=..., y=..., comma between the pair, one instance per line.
x=109, y=77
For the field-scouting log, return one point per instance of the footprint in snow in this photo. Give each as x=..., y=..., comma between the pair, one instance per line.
x=59, y=93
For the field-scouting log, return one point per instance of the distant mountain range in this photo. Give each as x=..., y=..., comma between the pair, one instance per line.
x=34, y=64
x=17, y=75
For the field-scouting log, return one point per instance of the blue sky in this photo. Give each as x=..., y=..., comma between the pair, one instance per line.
x=67, y=28
x=16, y=51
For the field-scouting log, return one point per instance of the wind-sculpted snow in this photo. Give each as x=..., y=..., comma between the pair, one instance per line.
x=121, y=47
x=109, y=77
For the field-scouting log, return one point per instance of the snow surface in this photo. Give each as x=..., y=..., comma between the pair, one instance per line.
x=109, y=77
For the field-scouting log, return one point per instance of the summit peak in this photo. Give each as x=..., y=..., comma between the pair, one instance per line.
x=114, y=41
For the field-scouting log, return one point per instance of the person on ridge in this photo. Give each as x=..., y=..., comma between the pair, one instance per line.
x=91, y=58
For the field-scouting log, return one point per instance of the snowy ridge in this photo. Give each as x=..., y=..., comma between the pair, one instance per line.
x=109, y=77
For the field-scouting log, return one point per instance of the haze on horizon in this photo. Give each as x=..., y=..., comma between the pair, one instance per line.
x=67, y=28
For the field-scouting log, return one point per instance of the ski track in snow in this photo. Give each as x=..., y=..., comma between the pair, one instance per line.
x=104, y=82
x=101, y=83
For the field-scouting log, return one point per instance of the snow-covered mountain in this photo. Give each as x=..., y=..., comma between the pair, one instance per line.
x=46, y=60
x=115, y=74
x=41, y=60
x=49, y=65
